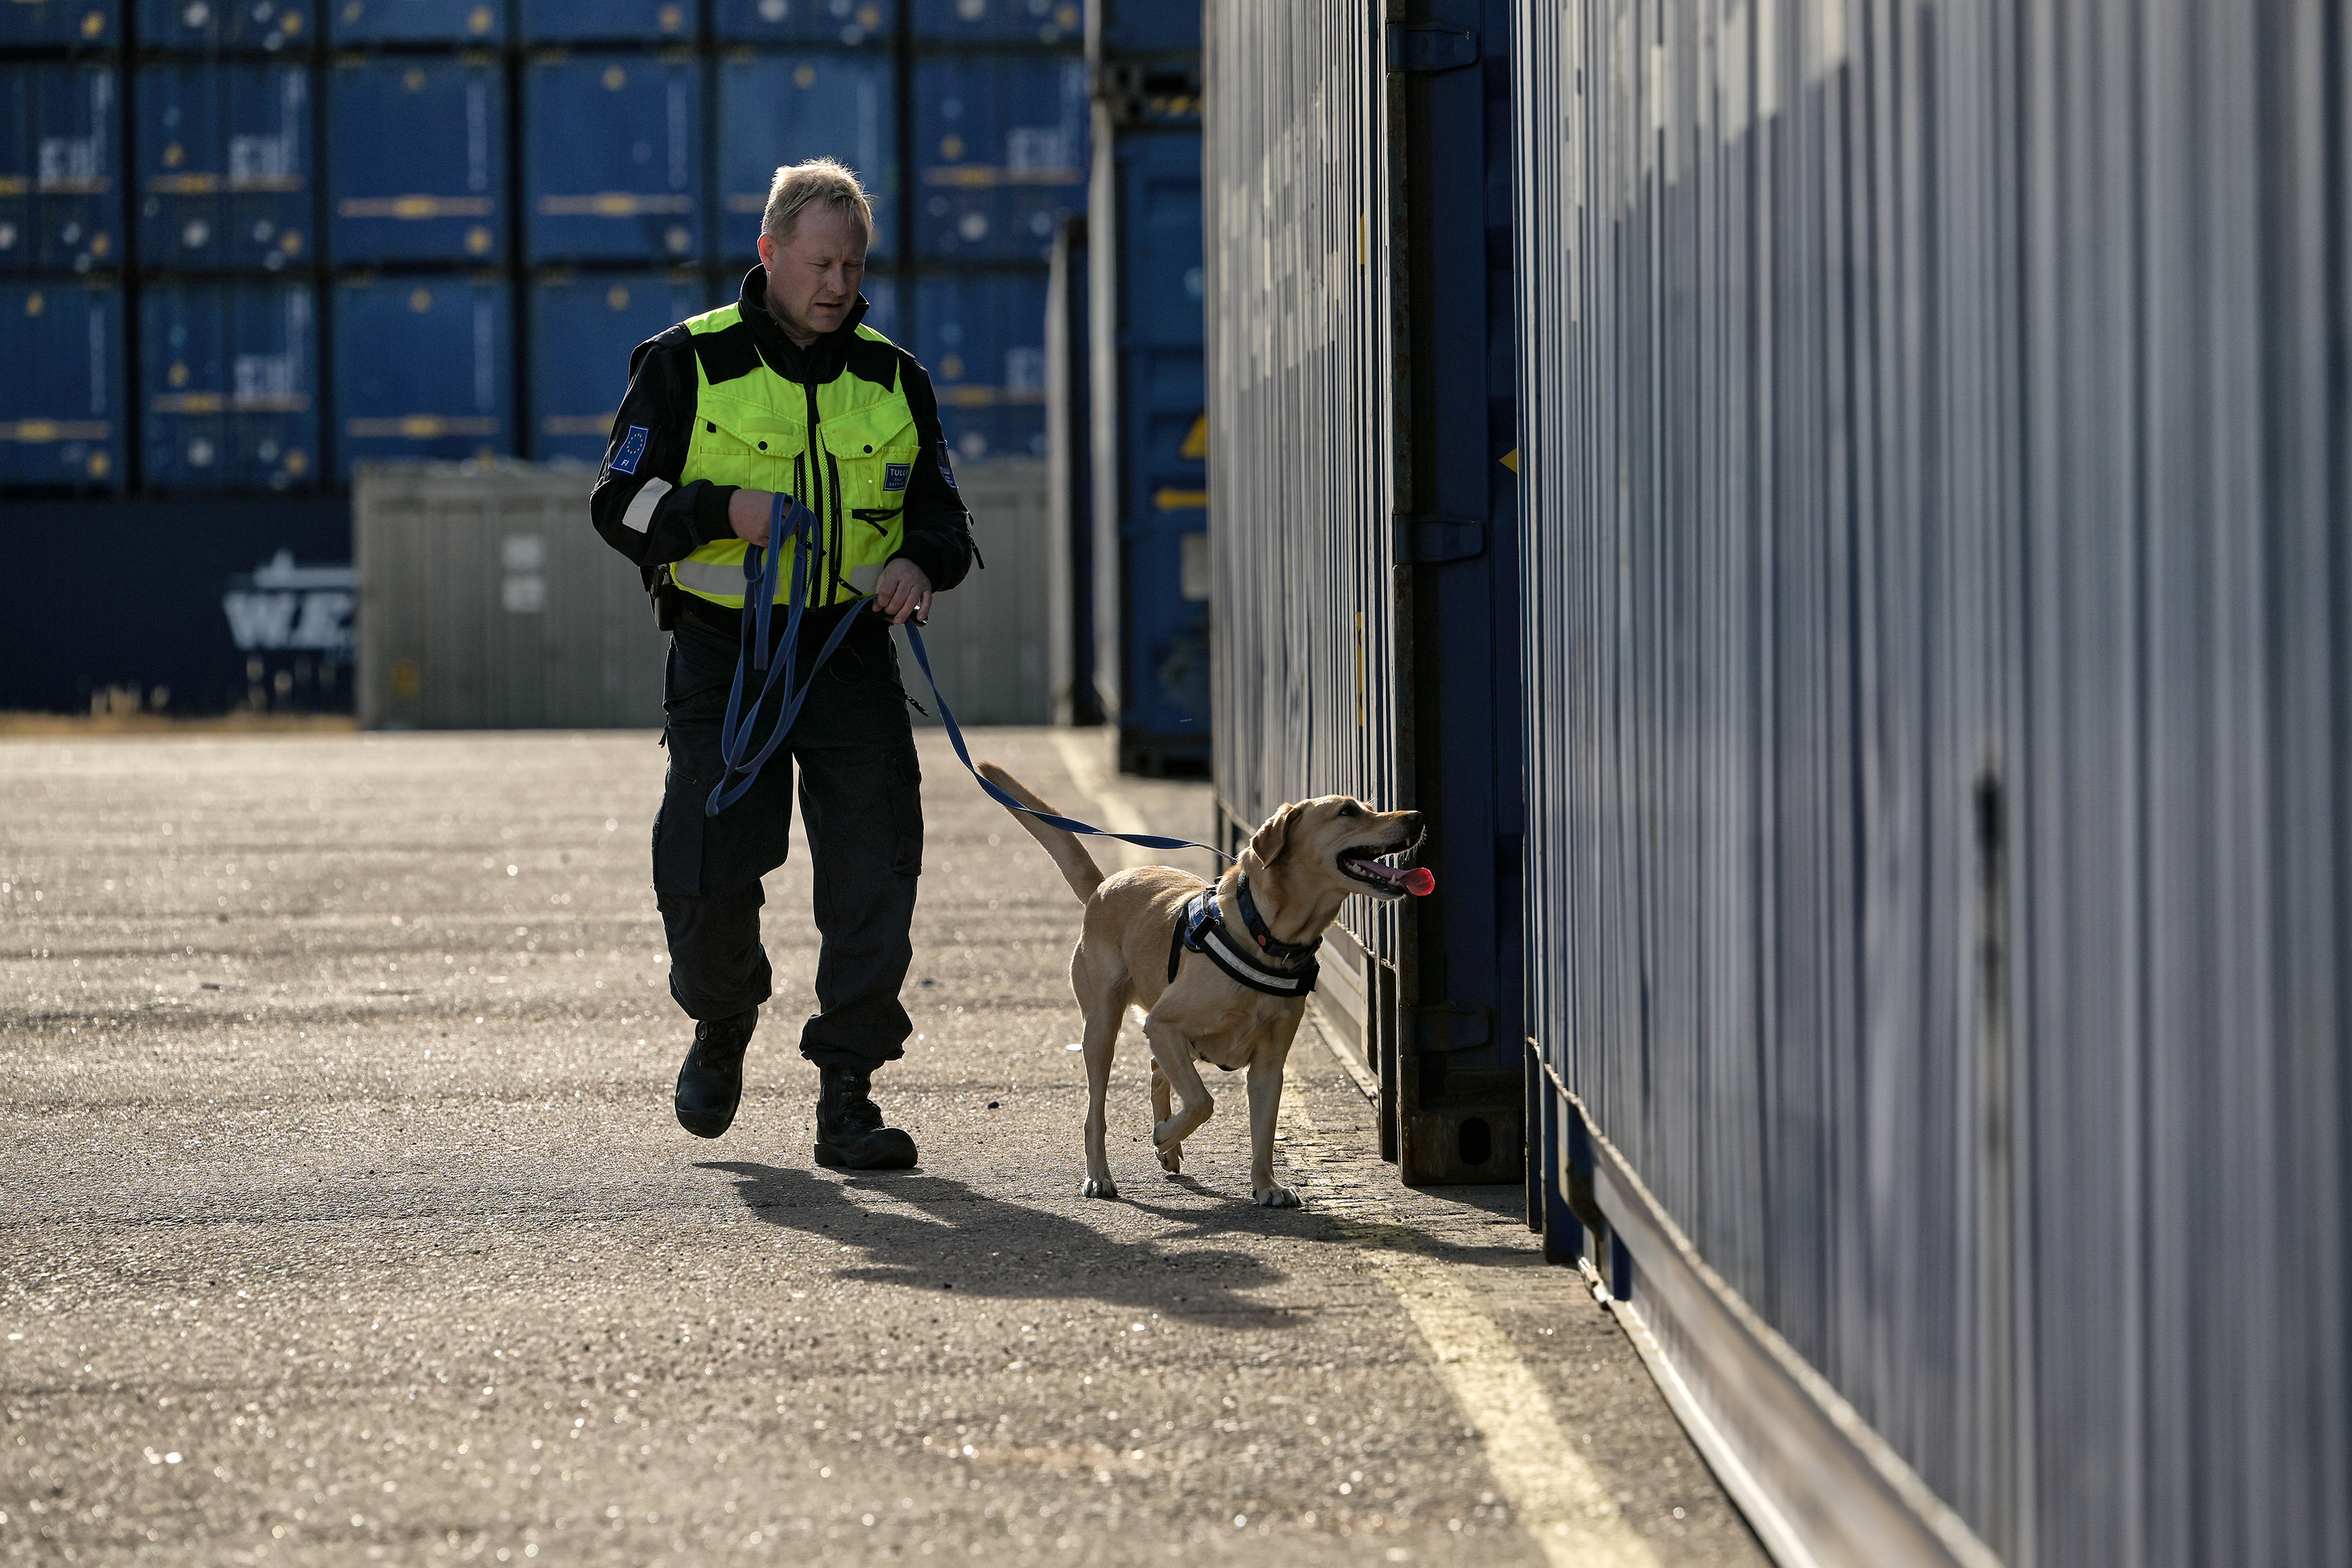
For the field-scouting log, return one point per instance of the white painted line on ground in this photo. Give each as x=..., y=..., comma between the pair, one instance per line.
x=1555, y=1495
x=1083, y=759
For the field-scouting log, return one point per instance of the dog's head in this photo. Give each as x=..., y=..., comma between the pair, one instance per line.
x=1339, y=842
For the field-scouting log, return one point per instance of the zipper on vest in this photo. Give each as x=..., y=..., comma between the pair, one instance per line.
x=800, y=488
x=832, y=471
x=820, y=579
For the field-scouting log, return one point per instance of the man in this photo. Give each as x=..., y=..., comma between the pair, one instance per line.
x=785, y=392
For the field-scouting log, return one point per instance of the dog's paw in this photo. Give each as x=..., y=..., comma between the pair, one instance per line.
x=1277, y=1197
x=1099, y=1187
x=1171, y=1159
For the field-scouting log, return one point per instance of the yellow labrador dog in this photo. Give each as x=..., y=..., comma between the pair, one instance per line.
x=1221, y=971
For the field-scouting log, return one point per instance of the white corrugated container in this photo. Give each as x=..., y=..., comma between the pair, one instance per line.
x=488, y=601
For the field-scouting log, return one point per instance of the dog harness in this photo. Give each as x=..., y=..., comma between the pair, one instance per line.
x=1204, y=930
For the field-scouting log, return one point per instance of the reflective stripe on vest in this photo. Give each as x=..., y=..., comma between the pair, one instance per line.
x=753, y=431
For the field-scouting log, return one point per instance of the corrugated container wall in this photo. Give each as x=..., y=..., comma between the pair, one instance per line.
x=437, y=381
x=612, y=163
x=224, y=166
x=582, y=330
x=1303, y=569
x=639, y=21
x=362, y=22
x=1151, y=422
x=83, y=24
x=982, y=337
x=1001, y=141
x=65, y=429
x=203, y=26
x=485, y=604
x=1060, y=22
x=61, y=169
x=417, y=160
x=230, y=385
x=775, y=110
x=848, y=22
x=1940, y=629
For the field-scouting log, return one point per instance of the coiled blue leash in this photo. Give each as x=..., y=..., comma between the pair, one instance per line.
x=762, y=571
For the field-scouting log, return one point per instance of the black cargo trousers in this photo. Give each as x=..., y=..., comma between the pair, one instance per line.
x=853, y=750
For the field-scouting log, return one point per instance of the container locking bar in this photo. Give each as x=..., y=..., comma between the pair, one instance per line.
x=1431, y=46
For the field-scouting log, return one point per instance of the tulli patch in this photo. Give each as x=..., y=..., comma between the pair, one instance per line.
x=894, y=476
x=631, y=452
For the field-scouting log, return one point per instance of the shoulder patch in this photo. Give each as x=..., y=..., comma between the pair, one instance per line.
x=947, y=471
x=632, y=451
x=727, y=354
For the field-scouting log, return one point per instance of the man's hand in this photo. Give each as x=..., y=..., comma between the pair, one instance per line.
x=903, y=592
x=748, y=513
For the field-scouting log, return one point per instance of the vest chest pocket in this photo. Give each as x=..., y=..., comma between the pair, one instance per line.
x=874, y=484
x=732, y=446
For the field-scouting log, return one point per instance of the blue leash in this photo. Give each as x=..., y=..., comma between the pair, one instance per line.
x=762, y=571
x=1066, y=824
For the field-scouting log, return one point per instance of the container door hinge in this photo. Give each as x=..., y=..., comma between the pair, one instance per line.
x=1439, y=539
x=1431, y=46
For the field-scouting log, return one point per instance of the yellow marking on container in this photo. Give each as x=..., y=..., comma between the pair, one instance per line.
x=1170, y=498
x=1196, y=443
x=1511, y=459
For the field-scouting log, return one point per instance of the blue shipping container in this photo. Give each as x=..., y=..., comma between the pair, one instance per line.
x=61, y=169
x=1163, y=476
x=61, y=403
x=417, y=21
x=421, y=369
x=223, y=154
x=1061, y=22
x=848, y=22
x=1129, y=27
x=620, y=21
x=581, y=333
x=612, y=158
x=982, y=337
x=88, y=23
x=416, y=160
x=224, y=23
x=775, y=110
x=1001, y=143
x=229, y=377
x=238, y=603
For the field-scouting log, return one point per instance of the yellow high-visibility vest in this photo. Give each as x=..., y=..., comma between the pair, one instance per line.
x=845, y=448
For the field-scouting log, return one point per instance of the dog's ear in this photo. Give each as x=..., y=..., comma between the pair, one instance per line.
x=1268, y=844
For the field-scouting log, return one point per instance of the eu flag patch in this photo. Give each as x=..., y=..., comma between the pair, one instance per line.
x=894, y=476
x=631, y=452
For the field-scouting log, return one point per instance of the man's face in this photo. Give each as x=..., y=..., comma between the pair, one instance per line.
x=812, y=277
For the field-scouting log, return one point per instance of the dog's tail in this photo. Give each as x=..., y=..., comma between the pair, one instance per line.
x=1078, y=868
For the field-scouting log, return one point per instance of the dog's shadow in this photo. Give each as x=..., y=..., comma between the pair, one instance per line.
x=965, y=1240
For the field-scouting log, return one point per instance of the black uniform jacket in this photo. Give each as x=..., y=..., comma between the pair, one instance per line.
x=661, y=397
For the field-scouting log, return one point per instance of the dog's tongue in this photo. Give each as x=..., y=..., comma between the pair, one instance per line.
x=1419, y=883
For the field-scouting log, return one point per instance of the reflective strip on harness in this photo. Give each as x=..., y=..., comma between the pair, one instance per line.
x=1202, y=928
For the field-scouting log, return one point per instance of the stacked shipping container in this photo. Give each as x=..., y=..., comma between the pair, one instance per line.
x=245, y=246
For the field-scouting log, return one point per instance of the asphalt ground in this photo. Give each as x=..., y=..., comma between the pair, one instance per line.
x=344, y=1217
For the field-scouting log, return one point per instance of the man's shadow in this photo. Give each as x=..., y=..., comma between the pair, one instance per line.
x=967, y=1241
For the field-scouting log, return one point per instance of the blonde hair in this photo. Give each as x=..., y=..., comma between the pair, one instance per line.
x=823, y=181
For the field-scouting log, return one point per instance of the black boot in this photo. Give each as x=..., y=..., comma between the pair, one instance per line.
x=710, y=1079
x=849, y=1130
